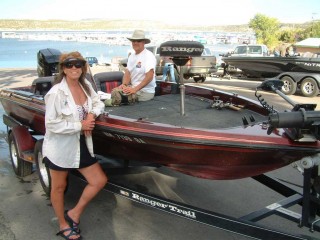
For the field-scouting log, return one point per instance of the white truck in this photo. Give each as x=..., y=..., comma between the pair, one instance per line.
x=197, y=67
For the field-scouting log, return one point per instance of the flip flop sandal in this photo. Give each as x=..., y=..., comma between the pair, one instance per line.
x=72, y=224
x=72, y=233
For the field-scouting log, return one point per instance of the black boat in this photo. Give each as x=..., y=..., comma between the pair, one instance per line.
x=268, y=66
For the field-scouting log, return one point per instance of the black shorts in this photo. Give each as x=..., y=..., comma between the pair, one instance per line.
x=86, y=159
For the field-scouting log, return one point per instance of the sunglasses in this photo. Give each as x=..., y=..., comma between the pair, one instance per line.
x=71, y=64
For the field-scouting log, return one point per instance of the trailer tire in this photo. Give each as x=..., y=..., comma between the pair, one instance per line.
x=186, y=76
x=21, y=167
x=289, y=87
x=196, y=79
x=309, y=87
x=199, y=79
x=43, y=171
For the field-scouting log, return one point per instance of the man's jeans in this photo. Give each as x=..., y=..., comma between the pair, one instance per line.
x=168, y=66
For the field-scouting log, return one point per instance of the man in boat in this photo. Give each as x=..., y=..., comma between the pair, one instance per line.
x=139, y=76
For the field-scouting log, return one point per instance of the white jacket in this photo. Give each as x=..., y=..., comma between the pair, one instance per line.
x=61, y=143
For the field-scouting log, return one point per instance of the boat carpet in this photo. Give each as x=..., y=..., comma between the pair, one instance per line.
x=198, y=113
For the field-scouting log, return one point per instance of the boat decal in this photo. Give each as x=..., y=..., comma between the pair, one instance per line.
x=166, y=206
x=123, y=137
x=309, y=64
x=181, y=49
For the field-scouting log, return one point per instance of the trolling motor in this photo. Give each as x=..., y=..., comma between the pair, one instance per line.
x=301, y=124
x=181, y=52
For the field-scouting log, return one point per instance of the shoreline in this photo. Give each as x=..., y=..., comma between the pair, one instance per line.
x=17, y=77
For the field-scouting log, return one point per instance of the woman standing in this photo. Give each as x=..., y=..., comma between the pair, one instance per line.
x=71, y=108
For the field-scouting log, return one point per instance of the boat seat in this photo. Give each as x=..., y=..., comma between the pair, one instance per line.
x=42, y=85
x=106, y=81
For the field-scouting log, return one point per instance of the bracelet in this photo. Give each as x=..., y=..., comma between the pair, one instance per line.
x=93, y=113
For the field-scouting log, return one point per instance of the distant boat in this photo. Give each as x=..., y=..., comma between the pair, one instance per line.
x=200, y=39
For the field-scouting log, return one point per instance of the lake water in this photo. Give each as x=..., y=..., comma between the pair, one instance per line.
x=15, y=53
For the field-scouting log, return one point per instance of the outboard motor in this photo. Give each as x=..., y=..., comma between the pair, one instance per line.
x=48, y=60
x=181, y=52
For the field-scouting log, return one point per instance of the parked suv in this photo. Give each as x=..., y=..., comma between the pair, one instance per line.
x=92, y=61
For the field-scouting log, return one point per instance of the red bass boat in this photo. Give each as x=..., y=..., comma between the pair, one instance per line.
x=198, y=131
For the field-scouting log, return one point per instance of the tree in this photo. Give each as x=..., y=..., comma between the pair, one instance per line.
x=287, y=35
x=266, y=29
x=313, y=30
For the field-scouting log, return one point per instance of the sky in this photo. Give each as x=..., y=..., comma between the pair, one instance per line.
x=187, y=12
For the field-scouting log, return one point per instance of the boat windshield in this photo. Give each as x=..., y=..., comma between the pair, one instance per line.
x=248, y=50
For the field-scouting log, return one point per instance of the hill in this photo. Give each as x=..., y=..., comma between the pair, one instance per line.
x=109, y=24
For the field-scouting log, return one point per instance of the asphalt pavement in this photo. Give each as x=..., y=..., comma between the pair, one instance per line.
x=26, y=213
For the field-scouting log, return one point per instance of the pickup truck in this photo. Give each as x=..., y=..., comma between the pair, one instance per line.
x=197, y=67
x=243, y=50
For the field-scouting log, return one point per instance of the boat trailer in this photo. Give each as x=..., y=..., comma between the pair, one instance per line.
x=246, y=225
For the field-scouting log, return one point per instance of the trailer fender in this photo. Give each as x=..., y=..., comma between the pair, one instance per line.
x=25, y=142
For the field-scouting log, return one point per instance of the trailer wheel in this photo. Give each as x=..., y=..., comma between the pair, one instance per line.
x=186, y=76
x=197, y=79
x=289, y=87
x=309, y=87
x=43, y=171
x=21, y=167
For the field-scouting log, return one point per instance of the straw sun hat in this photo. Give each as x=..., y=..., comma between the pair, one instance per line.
x=139, y=35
